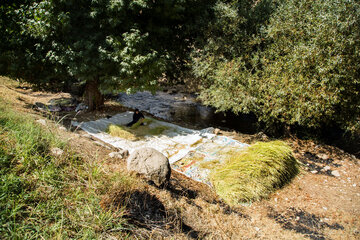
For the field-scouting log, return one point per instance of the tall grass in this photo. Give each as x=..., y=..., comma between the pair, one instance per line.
x=256, y=173
x=44, y=196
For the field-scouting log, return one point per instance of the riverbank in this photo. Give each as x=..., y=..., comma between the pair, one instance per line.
x=322, y=202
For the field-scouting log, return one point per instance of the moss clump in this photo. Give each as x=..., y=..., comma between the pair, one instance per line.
x=157, y=130
x=255, y=173
x=144, y=121
x=135, y=132
x=121, y=132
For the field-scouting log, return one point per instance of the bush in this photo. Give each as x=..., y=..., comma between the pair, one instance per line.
x=300, y=68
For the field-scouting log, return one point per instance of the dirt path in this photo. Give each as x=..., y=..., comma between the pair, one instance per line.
x=322, y=202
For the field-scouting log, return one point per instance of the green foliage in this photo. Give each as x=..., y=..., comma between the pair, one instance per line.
x=43, y=196
x=254, y=174
x=299, y=67
x=123, y=45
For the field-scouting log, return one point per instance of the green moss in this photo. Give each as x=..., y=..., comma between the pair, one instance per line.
x=255, y=173
x=157, y=130
x=145, y=121
x=137, y=131
x=121, y=132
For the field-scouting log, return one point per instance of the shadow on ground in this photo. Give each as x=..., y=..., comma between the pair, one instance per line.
x=148, y=216
x=302, y=222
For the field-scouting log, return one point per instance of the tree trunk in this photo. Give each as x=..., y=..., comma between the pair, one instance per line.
x=92, y=96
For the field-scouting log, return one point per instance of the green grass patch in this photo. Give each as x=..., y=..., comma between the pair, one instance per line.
x=50, y=197
x=137, y=131
x=255, y=173
x=121, y=132
x=144, y=121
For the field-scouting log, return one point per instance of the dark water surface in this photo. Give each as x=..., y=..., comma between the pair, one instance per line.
x=184, y=110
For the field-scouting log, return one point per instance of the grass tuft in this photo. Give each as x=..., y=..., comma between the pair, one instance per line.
x=255, y=173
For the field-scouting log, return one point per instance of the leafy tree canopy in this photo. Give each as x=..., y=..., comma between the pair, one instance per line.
x=108, y=44
x=299, y=67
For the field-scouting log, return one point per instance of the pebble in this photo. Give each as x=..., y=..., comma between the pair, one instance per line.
x=121, y=154
x=314, y=171
x=326, y=168
x=41, y=121
x=101, y=144
x=325, y=208
x=323, y=156
x=257, y=229
x=56, y=151
x=62, y=128
x=335, y=173
x=354, y=185
x=87, y=136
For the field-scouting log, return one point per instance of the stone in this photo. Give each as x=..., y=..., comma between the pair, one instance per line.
x=335, y=173
x=101, y=144
x=326, y=168
x=314, y=171
x=81, y=107
x=120, y=154
x=62, y=128
x=57, y=151
x=41, y=121
x=216, y=131
x=87, y=136
x=323, y=156
x=150, y=163
x=262, y=136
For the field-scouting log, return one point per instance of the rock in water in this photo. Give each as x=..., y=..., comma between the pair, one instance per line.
x=151, y=163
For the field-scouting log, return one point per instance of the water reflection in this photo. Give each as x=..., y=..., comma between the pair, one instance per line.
x=183, y=109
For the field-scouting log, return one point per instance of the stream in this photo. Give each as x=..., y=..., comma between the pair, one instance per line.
x=183, y=109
